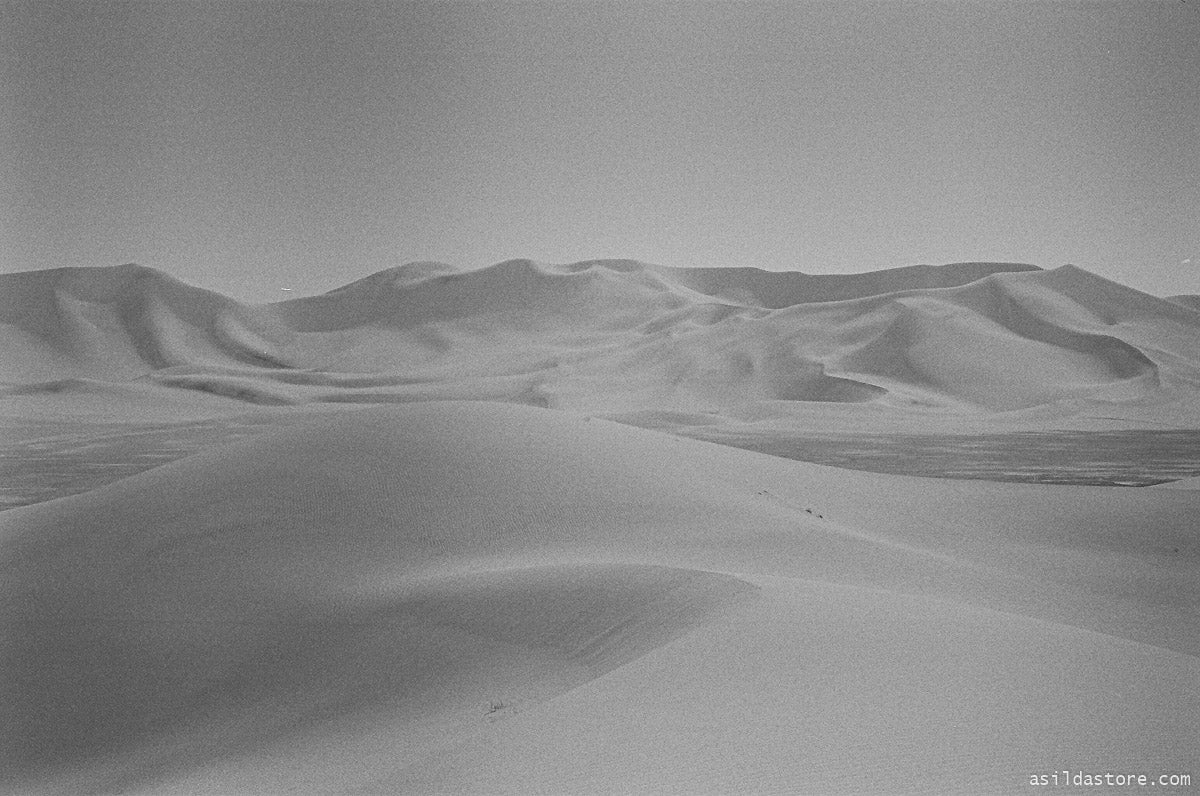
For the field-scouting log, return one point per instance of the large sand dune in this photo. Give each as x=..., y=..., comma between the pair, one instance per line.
x=471, y=596
x=620, y=336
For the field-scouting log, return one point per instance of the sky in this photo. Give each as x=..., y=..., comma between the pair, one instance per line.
x=248, y=147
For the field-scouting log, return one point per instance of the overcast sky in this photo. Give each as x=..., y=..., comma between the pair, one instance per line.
x=252, y=146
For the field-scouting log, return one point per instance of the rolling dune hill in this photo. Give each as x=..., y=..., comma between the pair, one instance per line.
x=613, y=336
x=488, y=598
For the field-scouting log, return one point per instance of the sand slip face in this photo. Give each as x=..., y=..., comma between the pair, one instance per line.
x=502, y=599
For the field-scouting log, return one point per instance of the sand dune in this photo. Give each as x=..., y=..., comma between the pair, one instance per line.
x=776, y=290
x=122, y=322
x=484, y=584
x=618, y=336
x=492, y=598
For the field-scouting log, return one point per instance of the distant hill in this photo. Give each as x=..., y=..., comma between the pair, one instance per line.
x=616, y=335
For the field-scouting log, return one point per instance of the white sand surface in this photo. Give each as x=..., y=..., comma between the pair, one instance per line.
x=494, y=598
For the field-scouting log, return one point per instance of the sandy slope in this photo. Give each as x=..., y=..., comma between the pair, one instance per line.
x=495, y=598
x=121, y=322
x=615, y=336
x=1192, y=302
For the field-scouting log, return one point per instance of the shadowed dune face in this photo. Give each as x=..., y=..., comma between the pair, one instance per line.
x=615, y=335
x=123, y=322
x=1190, y=302
x=217, y=669
x=385, y=595
x=352, y=564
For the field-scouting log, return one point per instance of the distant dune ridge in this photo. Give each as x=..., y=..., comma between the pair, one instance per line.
x=616, y=336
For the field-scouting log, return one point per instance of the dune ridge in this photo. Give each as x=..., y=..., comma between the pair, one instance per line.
x=616, y=336
x=123, y=322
